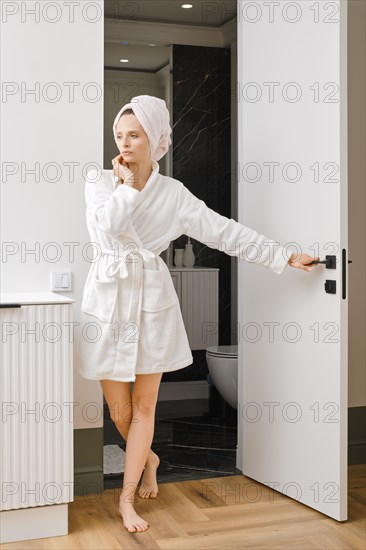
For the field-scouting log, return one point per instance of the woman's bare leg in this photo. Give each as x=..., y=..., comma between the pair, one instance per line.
x=140, y=435
x=118, y=397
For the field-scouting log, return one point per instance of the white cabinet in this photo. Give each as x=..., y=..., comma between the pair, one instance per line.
x=198, y=292
x=36, y=381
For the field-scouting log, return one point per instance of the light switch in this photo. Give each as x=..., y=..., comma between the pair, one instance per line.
x=61, y=281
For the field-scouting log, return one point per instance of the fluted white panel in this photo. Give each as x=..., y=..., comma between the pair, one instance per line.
x=200, y=308
x=37, y=413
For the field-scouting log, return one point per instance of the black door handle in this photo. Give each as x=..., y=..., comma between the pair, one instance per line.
x=330, y=262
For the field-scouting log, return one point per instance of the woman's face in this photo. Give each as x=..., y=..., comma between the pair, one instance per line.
x=132, y=137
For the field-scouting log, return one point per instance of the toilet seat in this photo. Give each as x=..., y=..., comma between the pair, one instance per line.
x=223, y=351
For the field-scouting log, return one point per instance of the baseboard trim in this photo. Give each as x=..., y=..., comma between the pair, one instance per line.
x=88, y=482
x=357, y=452
x=88, y=461
x=356, y=437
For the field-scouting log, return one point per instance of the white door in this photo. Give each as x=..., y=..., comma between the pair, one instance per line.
x=292, y=155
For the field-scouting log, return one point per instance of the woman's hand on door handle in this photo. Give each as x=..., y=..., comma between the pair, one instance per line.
x=301, y=261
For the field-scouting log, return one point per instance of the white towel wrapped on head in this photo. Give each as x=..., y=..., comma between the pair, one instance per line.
x=154, y=117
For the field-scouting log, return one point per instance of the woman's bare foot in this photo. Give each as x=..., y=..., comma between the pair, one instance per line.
x=149, y=486
x=132, y=521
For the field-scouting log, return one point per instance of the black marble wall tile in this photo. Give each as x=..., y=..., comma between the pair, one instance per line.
x=201, y=160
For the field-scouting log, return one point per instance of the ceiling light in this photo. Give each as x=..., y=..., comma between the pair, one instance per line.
x=124, y=60
x=152, y=44
x=186, y=6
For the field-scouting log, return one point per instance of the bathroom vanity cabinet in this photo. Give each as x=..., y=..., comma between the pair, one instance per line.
x=198, y=292
x=36, y=381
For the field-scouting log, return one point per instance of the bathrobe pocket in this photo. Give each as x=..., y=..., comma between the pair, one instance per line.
x=157, y=291
x=100, y=300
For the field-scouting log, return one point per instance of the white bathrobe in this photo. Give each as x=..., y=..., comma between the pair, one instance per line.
x=130, y=314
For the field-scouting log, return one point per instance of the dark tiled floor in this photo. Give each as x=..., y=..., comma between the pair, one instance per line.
x=193, y=439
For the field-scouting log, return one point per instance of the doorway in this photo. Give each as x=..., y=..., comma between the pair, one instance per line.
x=163, y=69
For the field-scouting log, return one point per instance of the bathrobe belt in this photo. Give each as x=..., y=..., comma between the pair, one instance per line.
x=118, y=268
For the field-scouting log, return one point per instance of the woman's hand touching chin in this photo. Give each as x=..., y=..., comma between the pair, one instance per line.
x=122, y=171
x=301, y=261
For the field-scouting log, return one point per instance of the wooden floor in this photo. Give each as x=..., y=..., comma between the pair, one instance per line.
x=218, y=513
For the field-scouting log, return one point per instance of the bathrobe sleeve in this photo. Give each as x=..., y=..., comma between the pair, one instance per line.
x=109, y=209
x=216, y=231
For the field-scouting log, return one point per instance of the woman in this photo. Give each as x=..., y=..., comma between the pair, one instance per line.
x=134, y=204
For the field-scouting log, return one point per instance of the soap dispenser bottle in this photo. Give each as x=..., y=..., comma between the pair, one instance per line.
x=188, y=256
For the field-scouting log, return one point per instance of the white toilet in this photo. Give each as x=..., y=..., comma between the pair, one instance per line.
x=222, y=362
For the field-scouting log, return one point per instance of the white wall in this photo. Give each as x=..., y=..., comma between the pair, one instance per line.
x=44, y=212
